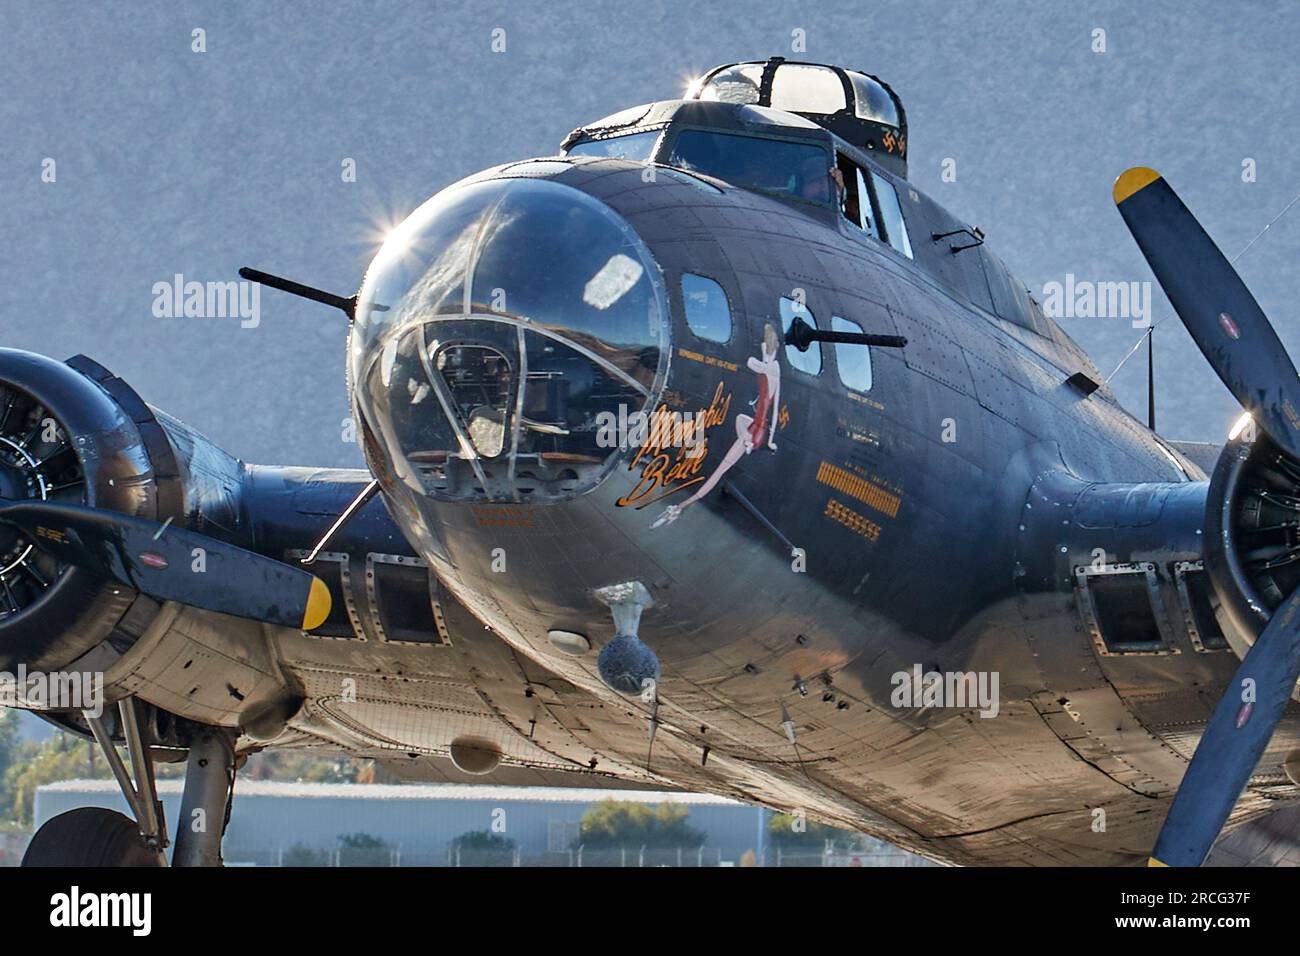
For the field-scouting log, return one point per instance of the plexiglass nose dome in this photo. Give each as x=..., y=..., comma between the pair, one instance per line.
x=493, y=328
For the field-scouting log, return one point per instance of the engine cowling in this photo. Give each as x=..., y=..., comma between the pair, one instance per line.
x=1252, y=528
x=73, y=432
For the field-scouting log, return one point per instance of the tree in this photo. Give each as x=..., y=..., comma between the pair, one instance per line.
x=795, y=830
x=11, y=752
x=62, y=757
x=302, y=855
x=305, y=766
x=625, y=823
x=361, y=841
x=26, y=765
x=362, y=849
x=479, y=840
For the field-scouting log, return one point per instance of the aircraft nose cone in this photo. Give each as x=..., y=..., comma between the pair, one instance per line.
x=495, y=330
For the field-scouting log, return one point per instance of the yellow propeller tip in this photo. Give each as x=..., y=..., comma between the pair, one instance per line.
x=1133, y=180
x=319, y=603
x=1152, y=861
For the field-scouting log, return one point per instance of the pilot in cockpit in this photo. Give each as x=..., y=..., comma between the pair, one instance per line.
x=815, y=181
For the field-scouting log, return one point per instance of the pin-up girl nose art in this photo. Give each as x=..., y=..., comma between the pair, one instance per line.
x=751, y=430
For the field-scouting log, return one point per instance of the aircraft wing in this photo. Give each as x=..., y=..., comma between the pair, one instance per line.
x=1203, y=453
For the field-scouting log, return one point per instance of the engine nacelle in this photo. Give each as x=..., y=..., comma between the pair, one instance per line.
x=73, y=432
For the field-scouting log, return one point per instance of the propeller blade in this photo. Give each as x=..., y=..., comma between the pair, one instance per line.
x=1227, y=323
x=159, y=560
x=1234, y=739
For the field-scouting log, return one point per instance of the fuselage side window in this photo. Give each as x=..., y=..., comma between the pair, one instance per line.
x=853, y=361
x=637, y=147
x=810, y=361
x=891, y=214
x=707, y=312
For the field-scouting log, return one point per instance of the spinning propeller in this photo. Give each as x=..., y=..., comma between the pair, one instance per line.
x=158, y=560
x=1241, y=346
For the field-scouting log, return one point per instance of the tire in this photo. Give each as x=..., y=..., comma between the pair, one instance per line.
x=89, y=836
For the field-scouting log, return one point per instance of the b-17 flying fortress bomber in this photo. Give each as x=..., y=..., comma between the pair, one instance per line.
x=708, y=454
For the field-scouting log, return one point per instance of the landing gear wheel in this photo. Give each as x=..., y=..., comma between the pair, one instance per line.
x=89, y=836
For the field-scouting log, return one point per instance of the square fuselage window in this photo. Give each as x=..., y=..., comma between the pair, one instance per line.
x=707, y=312
x=853, y=361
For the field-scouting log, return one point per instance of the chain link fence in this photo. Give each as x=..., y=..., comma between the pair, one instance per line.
x=588, y=857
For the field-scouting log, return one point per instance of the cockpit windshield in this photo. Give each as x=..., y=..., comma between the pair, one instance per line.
x=638, y=147
x=798, y=170
x=806, y=88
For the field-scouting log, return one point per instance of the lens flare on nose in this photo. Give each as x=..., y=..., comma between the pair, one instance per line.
x=498, y=325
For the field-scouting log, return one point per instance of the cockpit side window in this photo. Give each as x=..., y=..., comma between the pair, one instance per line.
x=855, y=197
x=810, y=361
x=637, y=147
x=707, y=312
x=872, y=102
x=891, y=214
x=797, y=170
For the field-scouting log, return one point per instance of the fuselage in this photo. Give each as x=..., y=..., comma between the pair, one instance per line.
x=826, y=529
